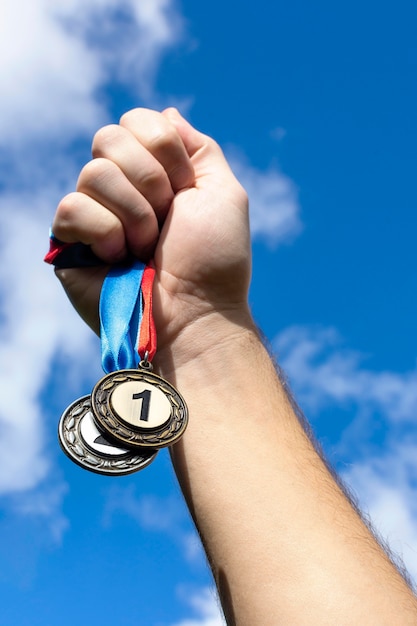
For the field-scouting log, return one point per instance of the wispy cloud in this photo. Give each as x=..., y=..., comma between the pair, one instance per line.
x=34, y=327
x=387, y=486
x=273, y=201
x=205, y=605
x=326, y=374
x=325, y=371
x=31, y=524
x=151, y=512
x=45, y=506
x=155, y=514
x=56, y=58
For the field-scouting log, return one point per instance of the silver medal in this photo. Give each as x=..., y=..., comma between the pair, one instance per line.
x=87, y=446
x=139, y=409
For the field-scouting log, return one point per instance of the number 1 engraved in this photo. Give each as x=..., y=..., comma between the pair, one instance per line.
x=145, y=396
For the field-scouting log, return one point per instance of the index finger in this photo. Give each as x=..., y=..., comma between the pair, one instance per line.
x=160, y=137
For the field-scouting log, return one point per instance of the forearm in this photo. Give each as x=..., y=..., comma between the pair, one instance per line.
x=280, y=534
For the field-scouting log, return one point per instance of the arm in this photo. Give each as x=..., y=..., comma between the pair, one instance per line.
x=284, y=543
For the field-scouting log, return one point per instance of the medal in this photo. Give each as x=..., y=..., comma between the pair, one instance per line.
x=138, y=408
x=132, y=405
x=131, y=412
x=84, y=444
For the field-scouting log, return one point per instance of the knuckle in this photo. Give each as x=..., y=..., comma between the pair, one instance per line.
x=141, y=221
x=104, y=138
x=66, y=207
x=66, y=214
x=154, y=130
x=94, y=173
x=130, y=117
x=142, y=227
x=109, y=238
x=151, y=178
x=163, y=138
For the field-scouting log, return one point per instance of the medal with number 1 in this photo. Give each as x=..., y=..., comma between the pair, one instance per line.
x=139, y=409
x=133, y=406
x=132, y=412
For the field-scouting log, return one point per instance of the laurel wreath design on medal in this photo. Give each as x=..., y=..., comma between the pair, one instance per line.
x=74, y=446
x=138, y=434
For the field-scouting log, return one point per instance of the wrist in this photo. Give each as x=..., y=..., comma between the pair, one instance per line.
x=212, y=339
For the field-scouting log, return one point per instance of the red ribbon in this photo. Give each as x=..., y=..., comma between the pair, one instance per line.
x=147, y=336
x=55, y=249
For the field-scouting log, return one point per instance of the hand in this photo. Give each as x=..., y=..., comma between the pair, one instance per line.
x=157, y=188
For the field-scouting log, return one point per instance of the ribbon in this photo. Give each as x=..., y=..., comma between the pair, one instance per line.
x=147, y=334
x=65, y=255
x=127, y=329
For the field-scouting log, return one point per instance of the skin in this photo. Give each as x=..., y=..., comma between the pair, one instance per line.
x=284, y=542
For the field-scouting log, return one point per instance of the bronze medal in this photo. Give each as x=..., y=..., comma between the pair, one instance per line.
x=89, y=448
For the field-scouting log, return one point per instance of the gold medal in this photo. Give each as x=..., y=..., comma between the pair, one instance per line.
x=139, y=409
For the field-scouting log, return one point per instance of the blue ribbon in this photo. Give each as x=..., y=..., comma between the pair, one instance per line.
x=120, y=310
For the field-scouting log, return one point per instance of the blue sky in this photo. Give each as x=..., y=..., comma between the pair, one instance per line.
x=315, y=106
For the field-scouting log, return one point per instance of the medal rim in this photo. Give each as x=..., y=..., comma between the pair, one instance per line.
x=117, y=429
x=98, y=464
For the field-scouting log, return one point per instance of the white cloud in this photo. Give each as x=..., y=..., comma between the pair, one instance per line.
x=48, y=77
x=162, y=515
x=324, y=373
x=44, y=505
x=36, y=324
x=168, y=516
x=386, y=486
x=151, y=512
x=205, y=605
x=55, y=57
x=273, y=202
x=192, y=547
